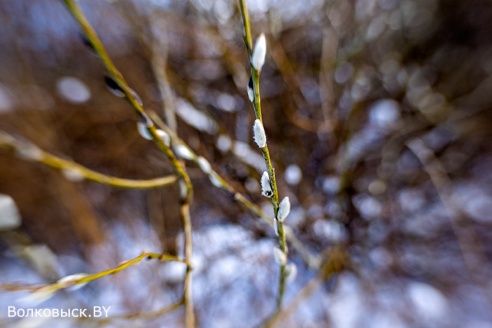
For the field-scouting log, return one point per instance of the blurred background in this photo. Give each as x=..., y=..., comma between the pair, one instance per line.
x=379, y=125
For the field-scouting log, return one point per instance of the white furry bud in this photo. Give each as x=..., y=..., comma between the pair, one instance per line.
x=266, y=188
x=251, y=92
x=290, y=272
x=283, y=209
x=215, y=181
x=29, y=152
x=164, y=137
x=183, y=189
x=259, y=134
x=114, y=87
x=145, y=119
x=279, y=256
x=184, y=152
x=136, y=97
x=69, y=281
x=204, y=165
x=74, y=175
x=275, y=227
x=10, y=217
x=144, y=132
x=259, y=53
x=39, y=296
x=6, y=138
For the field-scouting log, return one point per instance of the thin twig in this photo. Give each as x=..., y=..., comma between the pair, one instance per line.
x=443, y=185
x=473, y=256
x=336, y=260
x=126, y=264
x=79, y=171
x=312, y=260
x=184, y=178
x=255, y=75
x=159, y=55
x=149, y=315
x=81, y=279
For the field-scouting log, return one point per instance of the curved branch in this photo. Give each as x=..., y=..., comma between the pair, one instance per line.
x=76, y=171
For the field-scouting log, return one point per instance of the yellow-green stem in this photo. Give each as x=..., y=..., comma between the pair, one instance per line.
x=179, y=167
x=51, y=288
x=255, y=75
x=85, y=173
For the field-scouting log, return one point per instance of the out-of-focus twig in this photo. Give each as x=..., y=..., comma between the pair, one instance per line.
x=184, y=178
x=218, y=181
x=149, y=315
x=75, y=171
x=43, y=292
x=287, y=71
x=336, y=260
x=472, y=256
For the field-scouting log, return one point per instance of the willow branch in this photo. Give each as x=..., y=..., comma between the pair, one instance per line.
x=184, y=178
x=149, y=315
x=76, y=171
x=45, y=291
x=336, y=260
x=218, y=181
x=255, y=75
